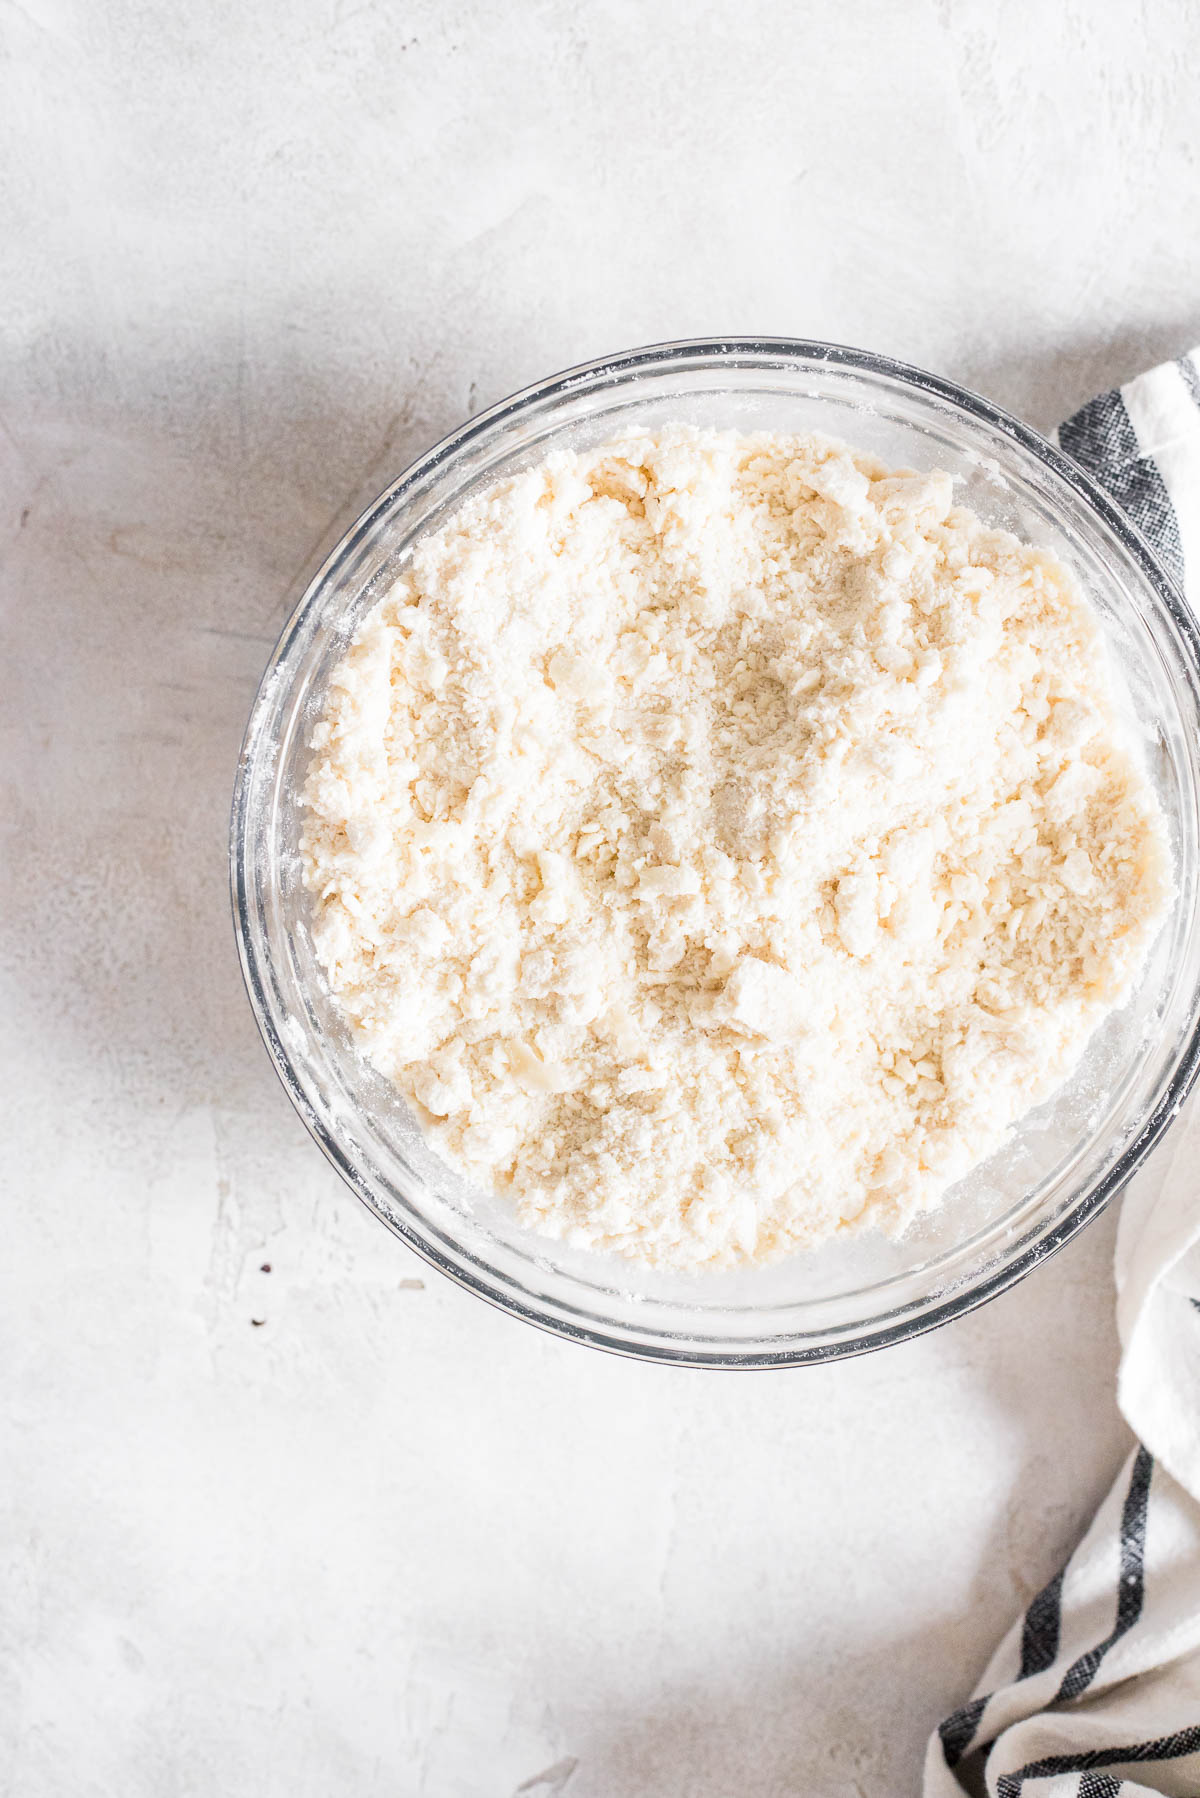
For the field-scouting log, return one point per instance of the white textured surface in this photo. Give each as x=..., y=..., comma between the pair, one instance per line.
x=390, y=1542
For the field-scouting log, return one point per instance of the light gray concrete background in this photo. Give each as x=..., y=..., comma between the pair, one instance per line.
x=390, y=1543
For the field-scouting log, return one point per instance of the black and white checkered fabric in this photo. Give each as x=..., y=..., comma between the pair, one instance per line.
x=1095, y=1692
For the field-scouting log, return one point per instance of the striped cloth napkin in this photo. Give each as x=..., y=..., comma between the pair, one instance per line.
x=1095, y=1692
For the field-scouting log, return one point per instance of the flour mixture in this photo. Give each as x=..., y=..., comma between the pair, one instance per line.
x=721, y=841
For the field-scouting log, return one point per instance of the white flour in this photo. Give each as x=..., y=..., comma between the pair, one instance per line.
x=722, y=841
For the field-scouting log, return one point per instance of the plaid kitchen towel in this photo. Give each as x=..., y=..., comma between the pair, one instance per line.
x=1095, y=1691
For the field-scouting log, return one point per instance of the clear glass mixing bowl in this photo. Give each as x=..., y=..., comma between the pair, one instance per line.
x=1061, y=1165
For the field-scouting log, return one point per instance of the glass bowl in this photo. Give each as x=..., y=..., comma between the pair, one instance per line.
x=1058, y=1168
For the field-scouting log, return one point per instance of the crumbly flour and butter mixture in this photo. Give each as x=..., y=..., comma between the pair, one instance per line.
x=722, y=840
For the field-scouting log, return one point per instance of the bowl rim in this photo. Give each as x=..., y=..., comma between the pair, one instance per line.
x=758, y=351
